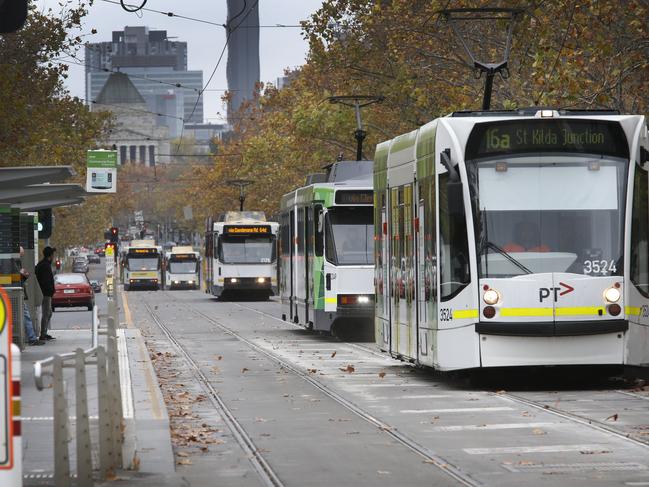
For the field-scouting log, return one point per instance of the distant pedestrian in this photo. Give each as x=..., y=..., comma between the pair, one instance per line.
x=46, y=282
x=32, y=339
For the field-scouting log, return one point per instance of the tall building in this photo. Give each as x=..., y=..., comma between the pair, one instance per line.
x=158, y=69
x=243, y=52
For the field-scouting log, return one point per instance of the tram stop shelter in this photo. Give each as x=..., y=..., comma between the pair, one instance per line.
x=23, y=192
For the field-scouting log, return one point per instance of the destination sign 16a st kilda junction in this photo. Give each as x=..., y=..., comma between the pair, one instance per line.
x=604, y=138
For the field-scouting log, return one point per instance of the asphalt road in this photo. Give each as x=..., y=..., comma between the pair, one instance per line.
x=256, y=401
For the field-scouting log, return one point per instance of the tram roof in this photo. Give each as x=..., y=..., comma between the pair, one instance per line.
x=532, y=111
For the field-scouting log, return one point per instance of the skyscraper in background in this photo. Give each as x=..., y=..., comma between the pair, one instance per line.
x=243, y=52
x=158, y=68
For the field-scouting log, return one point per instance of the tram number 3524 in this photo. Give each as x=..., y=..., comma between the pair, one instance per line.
x=445, y=314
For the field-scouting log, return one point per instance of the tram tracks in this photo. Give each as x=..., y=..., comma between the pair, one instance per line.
x=589, y=422
x=259, y=463
x=428, y=455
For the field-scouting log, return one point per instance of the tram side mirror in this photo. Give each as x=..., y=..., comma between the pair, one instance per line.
x=454, y=196
x=445, y=158
x=644, y=156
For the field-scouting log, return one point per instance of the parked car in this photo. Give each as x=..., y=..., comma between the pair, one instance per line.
x=93, y=259
x=96, y=286
x=100, y=251
x=72, y=290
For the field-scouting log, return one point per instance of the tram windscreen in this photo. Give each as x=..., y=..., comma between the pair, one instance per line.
x=246, y=250
x=137, y=263
x=185, y=266
x=350, y=235
x=548, y=213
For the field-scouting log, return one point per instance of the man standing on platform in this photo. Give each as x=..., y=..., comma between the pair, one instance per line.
x=45, y=279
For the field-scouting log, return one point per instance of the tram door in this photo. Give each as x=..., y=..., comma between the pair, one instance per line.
x=408, y=327
x=292, y=308
x=383, y=276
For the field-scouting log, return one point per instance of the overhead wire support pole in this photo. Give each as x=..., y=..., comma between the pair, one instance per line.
x=357, y=102
x=453, y=16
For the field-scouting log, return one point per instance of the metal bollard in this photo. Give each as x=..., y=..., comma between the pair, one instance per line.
x=61, y=454
x=106, y=452
x=84, y=445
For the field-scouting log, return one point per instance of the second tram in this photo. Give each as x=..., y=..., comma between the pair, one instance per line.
x=326, y=248
x=241, y=254
x=181, y=268
x=142, y=265
x=514, y=238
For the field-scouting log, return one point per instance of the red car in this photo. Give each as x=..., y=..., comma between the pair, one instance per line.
x=72, y=290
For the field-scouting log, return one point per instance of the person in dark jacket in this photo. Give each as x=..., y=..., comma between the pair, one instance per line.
x=45, y=279
x=32, y=339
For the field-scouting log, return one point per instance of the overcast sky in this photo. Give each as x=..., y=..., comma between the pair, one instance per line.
x=279, y=47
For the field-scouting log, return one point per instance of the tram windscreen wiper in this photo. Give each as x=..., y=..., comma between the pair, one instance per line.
x=490, y=245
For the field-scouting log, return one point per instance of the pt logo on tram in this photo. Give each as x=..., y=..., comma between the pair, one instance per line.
x=545, y=292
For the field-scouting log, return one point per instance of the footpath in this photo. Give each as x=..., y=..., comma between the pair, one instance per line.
x=147, y=454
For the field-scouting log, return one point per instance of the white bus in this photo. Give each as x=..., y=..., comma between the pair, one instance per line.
x=241, y=254
x=142, y=265
x=514, y=238
x=181, y=269
x=326, y=248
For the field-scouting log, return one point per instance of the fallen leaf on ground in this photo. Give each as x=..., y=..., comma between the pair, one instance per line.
x=538, y=431
x=312, y=371
x=182, y=454
x=184, y=461
x=381, y=374
x=244, y=370
x=333, y=354
x=612, y=417
x=349, y=369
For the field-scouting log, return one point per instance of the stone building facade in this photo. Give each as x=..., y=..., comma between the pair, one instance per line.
x=136, y=135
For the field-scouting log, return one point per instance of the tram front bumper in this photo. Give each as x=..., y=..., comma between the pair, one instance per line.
x=247, y=283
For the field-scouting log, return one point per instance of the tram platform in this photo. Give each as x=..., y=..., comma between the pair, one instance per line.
x=147, y=443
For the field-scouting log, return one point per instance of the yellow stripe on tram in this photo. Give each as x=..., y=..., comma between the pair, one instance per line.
x=331, y=300
x=632, y=310
x=465, y=313
x=522, y=312
x=581, y=311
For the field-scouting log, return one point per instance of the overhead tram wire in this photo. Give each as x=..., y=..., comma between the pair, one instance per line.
x=193, y=19
x=218, y=62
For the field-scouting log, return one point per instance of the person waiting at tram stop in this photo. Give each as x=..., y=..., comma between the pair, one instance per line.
x=32, y=339
x=527, y=238
x=45, y=278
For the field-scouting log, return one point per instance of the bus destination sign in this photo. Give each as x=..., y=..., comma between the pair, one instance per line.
x=246, y=230
x=511, y=137
x=354, y=197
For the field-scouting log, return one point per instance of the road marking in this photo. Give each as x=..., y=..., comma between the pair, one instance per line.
x=534, y=449
x=51, y=418
x=125, y=375
x=423, y=396
x=150, y=380
x=454, y=410
x=388, y=385
x=127, y=310
x=502, y=426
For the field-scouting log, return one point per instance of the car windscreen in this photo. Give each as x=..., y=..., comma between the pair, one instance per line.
x=70, y=279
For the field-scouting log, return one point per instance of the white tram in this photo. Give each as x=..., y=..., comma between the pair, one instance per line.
x=181, y=268
x=514, y=238
x=327, y=247
x=241, y=254
x=142, y=265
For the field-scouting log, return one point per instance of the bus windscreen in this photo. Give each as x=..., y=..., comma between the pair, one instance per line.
x=511, y=137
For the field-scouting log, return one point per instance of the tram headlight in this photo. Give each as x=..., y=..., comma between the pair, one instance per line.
x=612, y=295
x=234, y=279
x=261, y=280
x=491, y=296
x=363, y=299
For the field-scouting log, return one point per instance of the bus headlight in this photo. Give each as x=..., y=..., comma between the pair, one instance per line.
x=261, y=280
x=491, y=296
x=612, y=295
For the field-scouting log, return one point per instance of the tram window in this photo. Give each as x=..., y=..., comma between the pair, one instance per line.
x=300, y=231
x=143, y=263
x=318, y=230
x=246, y=250
x=350, y=236
x=640, y=233
x=454, y=245
x=285, y=235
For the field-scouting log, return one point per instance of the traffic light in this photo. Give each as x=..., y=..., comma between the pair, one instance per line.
x=114, y=234
x=13, y=14
x=45, y=220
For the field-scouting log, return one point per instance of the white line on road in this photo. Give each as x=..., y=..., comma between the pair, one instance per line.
x=534, y=449
x=422, y=396
x=454, y=410
x=502, y=426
